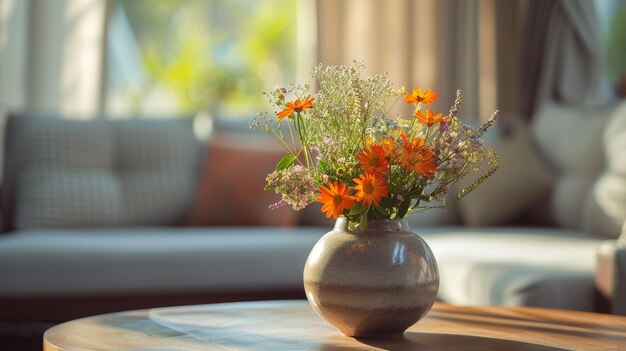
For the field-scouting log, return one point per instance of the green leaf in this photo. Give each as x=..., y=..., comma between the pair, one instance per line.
x=380, y=210
x=269, y=187
x=323, y=166
x=363, y=222
x=404, y=207
x=285, y=162
x=386, y=202
x=352, y=225
x=356, y=209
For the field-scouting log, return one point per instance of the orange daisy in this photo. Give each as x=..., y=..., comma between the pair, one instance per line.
x=336, y=198
x=295, y=106
x=372, y=159
x=370, y=188
x=417, y=156
x=425, y=97
x=390, y=148
x=429, y=117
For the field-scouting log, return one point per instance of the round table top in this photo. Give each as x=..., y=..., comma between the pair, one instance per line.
x=293, y=325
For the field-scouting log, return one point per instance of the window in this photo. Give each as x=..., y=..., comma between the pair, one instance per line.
x=183, y=56
x=612, y=18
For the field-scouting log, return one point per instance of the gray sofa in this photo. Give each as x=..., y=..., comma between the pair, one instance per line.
x=566, y=178
x=93, y=215
x=94, y=211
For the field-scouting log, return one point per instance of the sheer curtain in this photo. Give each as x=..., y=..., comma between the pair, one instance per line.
x=444, y=45
x=54, y=49
x=51, y=55
x=13, y=31
x=562, y=55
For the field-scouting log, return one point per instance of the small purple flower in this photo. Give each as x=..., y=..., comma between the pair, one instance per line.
x=277, y=205
x=489, y=122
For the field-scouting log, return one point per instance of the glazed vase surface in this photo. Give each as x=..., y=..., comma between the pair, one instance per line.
x=371, y=283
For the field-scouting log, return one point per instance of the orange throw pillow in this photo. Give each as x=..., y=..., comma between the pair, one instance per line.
x=230, y=191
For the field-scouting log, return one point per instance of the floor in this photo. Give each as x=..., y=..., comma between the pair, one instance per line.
x=22, y=336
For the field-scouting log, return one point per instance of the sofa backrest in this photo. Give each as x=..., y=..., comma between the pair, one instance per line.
x=67, y=173
x=587, y=146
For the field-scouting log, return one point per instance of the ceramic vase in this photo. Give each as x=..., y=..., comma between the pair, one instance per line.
x=375, y=282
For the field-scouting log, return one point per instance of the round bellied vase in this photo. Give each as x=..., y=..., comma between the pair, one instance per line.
x=375, y=282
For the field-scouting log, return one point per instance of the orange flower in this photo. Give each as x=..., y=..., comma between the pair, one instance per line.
x=429, y=117
x=426, y=97
x=295, y=106
x=417, y=156
x=390, y=148
x=373, y=160
x=336, y=198
x=370, y=188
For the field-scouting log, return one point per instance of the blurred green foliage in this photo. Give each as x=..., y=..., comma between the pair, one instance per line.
x=216, y=55
x=616, y=44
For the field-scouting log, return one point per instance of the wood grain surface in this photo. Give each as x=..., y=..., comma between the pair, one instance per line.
x=293, y=325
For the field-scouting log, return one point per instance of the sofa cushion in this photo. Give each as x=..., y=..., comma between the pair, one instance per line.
x=522, y=180
x=157, y=162
x=153, y=260
x=589, y=190
x=231, y=188
x=549, y=268
x=509, y=266
x=605, y=210
x=53, y=198
x=67, y=173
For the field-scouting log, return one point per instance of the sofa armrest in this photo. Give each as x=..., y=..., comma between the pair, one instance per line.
x=611, y=273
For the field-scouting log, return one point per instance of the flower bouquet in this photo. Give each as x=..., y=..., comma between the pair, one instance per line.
x=344, y=151
x=370, y=276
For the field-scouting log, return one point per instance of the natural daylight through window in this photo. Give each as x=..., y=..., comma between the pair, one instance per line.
x=184, y=56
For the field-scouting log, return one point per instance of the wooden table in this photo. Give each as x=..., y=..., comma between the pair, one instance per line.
x=292, y=325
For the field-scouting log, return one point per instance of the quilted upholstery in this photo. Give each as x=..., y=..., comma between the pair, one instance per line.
x=65, y=173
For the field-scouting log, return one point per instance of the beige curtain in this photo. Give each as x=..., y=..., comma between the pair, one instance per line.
x=510, y=22
x=445, y=45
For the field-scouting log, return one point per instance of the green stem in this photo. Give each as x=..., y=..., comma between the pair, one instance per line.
x=301, y=129
x=282, y=143
x=293, y=140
